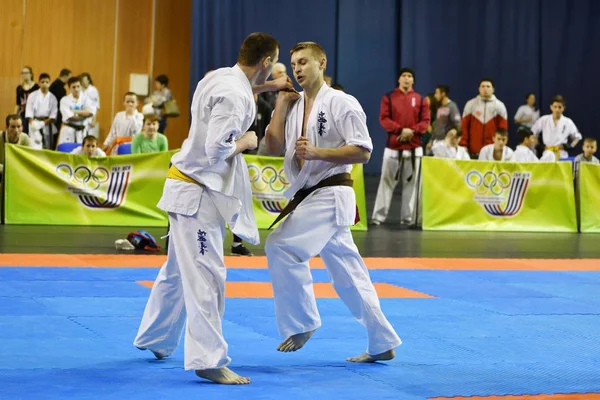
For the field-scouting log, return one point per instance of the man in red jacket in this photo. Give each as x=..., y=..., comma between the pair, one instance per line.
x=482, y=117
x=404, y=115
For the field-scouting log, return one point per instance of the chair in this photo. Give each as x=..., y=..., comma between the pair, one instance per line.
x=67, y=147
x=123, y=149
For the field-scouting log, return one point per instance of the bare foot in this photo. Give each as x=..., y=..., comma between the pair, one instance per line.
x=294, y=342
x=223, y=375
x=367, y=358
x=158, y=355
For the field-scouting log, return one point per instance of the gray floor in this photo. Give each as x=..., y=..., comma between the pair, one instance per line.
x=389, y=240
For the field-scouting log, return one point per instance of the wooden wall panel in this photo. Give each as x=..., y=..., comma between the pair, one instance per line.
x=74, y=34
x=11, y=34
x=172, y=57
x=50, y=35
x=134, y=45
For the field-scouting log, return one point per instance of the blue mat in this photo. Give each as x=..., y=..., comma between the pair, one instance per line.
x=68, y=332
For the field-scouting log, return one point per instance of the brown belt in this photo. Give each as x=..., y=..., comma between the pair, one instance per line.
x=335, y=180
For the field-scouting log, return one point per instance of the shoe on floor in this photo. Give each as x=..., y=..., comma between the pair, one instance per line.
x=240, y=250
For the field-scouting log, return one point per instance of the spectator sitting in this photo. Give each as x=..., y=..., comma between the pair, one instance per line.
x=589, y=148
x=449, y=148
x=13, y=135
x=89, y=148
x=497, y=151
x=149, y=140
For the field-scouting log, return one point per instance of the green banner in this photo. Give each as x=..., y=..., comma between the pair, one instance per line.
x=51, y=188
x=589, y=197
x=269, y=182
x=498, y=196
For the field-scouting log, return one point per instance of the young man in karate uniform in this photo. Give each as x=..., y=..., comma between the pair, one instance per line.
x=76, y=109
x=497, y=151
x=207, y=187
x=449, y=148
x=524, y=151
x=323, y=132
x=41, y=111
x=558, y=132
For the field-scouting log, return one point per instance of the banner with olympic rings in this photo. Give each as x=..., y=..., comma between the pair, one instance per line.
x=589, y=195
x=269, y=182
x=498, y=196
x=52, y=188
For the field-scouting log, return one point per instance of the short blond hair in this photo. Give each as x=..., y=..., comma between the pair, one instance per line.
x=316, y=49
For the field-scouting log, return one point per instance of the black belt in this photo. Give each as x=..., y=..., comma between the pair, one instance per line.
x=41, y=118
x=335, y=180
x=76, y=127
x=413, y=160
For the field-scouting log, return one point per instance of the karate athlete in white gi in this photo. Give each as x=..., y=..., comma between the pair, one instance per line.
x=76, y=109
x=41, y=110
x=558, y=132
x=449, y=148
x=322, y=132
x=497, y=151
x=208, y=186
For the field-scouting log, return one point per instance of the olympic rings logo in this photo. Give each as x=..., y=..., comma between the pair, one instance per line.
x=267, y=177
x=83, y=176
x=488, y=183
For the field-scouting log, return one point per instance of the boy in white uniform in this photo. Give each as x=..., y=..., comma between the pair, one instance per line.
x=207, y=187
x=125, y=126
x=322, y=131
x=558, y=132
x=76, y=109
x=41, y=111
x=524, y=151
x=449, y=148
x=497, y=151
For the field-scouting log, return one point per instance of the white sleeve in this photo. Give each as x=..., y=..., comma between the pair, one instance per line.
x=463, y=154
x=502, y=110
x=483, y=156
x=573, y=131
x=224, y=126
x=509, y=154
x=89, y=105
x=519, y=114
x=138, y=123
x=29, y=106
x=65, y=109
x=351, y=122
x=438, y=150
x=53, y=106
x=100, y=153
x=77, y=150
x=96, y=97
x=537, y=126
x=112, y=134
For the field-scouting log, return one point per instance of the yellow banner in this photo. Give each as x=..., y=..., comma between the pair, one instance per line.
x=589, y=197
x=498, y=196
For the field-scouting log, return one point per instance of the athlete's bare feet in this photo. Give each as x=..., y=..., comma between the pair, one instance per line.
x=223, y=376
x=158, y=355
x=367, y=358
x=294, y=342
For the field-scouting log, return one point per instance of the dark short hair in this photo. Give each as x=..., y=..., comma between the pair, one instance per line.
x=89, y=138
x=501, y=131
x=130, y=94
x=162, y=79
x=558, y=99
x=443, y=88
x=487, y=80
x=65, y=72
x=11, y=117
x=255, y=47
x=86, y=75
x=72, y=80
x=523, y=133
x=589, y=140
x=44, y=75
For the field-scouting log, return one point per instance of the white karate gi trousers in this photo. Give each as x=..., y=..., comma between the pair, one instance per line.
x=70, y=135
x=410, y=202
x=312, y=230
x=192, y=280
